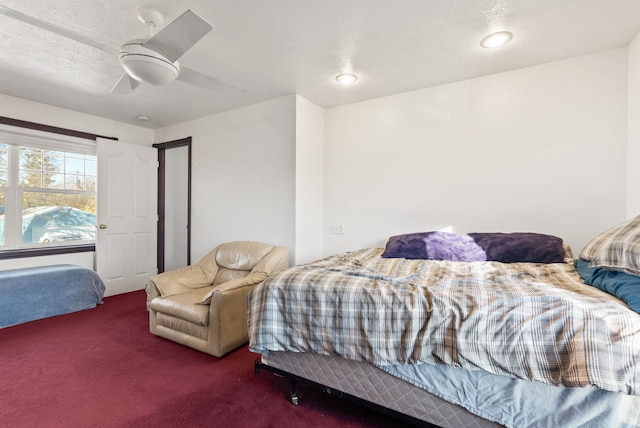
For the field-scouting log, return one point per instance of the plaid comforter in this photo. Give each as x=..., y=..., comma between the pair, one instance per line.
x=529, y=321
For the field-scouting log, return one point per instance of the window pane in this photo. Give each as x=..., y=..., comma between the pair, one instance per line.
x=4, y=156
x=53, y=181
x=30, y=159
x=4, y=165
x=57, y=217
x=90, y=183
x=53, y=162
x=30, y=179
x=74, y=182
x=90, y=166
x=52, y=169
x=2, y=205
x=73, y=165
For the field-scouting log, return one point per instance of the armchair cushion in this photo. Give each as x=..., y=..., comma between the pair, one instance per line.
x=182, y=306
x=238, y=259
x=241, y=255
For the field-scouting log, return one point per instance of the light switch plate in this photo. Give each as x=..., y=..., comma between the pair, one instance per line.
x=337, y=229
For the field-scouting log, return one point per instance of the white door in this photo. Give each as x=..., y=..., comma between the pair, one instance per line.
x=127, y=215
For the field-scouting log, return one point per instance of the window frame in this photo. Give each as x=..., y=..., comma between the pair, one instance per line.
x=12, y=124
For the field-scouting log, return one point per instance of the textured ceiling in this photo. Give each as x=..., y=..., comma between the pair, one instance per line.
x=280, y=47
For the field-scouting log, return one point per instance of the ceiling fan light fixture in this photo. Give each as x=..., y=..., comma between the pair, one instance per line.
x=346, y=78
x=495, y=40
x=152, y=72
x=146, y=65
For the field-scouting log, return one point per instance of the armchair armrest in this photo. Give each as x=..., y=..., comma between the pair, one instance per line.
x=152, y=292
x=251, y=279
x=228, y=313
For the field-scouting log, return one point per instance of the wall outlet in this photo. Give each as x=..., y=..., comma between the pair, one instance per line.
x=337, y=229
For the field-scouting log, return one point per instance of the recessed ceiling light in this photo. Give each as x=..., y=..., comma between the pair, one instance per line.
x=143, y=118
x=346, y=78
x=496, y=39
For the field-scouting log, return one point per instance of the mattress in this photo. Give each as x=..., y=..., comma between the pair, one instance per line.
x=369, y=383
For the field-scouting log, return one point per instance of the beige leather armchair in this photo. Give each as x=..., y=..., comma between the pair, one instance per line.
x=203, y=306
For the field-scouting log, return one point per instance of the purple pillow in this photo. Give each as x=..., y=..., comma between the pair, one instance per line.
x=453, y=247
x=434, y=246
x=499, y=247
x=520, y=247
x=408, y=246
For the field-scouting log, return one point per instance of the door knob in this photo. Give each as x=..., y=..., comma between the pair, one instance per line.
x=103, y=226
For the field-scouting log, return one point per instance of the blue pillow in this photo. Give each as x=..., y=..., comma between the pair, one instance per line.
x=622, y=285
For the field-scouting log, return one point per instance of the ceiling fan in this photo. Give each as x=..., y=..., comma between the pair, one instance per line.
x=153, y=60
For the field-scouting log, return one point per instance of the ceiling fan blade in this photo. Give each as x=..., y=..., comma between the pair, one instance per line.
x=205, y=81
x=179, y=36
x=125, y=85
x=55, y=29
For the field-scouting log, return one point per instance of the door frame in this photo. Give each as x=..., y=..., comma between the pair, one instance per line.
x=162, y=147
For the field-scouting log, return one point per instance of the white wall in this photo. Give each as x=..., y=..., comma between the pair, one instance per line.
x=633, y=128
x=539, y=149
x=17, y=108
x=309, y=180
x=243, y=175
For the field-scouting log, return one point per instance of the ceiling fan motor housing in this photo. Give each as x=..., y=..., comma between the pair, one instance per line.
x=147, y=65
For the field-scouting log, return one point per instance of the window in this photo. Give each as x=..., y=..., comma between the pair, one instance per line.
x=47, y=192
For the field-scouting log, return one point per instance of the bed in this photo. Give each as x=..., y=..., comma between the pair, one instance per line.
x=34, y=293
x=464, y=330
